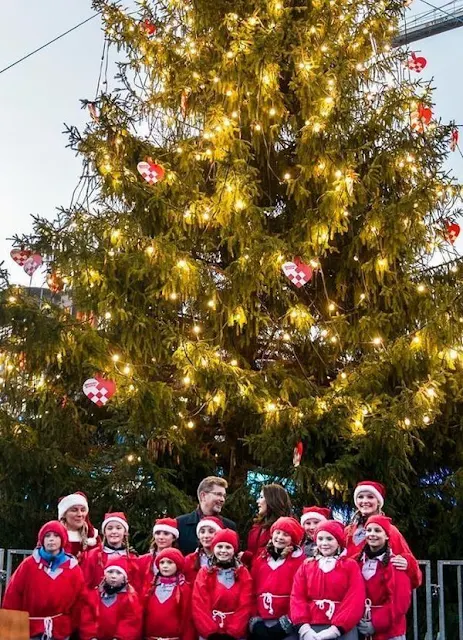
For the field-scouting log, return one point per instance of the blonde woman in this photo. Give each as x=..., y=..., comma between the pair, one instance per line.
x=73, y=515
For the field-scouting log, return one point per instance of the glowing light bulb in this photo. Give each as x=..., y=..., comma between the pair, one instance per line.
x=421, y=288
x=107, y=315
x=407, y=422
x=115, y=357
x=234, y=363
x=271, y=406
x=190, y=424
x=343, y=375
x=426, y=419
x=126, y=369
x=196, y=329
x=287, y=176
x=186, y=380
x=377, y=341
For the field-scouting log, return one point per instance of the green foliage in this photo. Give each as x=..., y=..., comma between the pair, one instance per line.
x=284, y=130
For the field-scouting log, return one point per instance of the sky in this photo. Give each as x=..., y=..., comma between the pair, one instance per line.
x=38, y=173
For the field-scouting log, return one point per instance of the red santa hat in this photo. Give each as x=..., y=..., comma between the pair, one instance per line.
x=74, y=500
x=209, y=521
x=119, y=563
x=317, y=513
x=376, y=488
x=54, y=526
x=383, y=521
x=77, y=499
x=335, y=528
x=290, y=526
x=172, y=554
x=226, y=535
x=116, y=516
x=166, y=524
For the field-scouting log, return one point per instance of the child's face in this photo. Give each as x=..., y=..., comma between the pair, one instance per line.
x=205, y=536
x=114, y=533
x=52, y=542
x=167, y=568
x=280, y=539
x=326, y=543
x=224, y=552
x=310, y=525
x=376, y=537
x=114, y=577
x=163, y=539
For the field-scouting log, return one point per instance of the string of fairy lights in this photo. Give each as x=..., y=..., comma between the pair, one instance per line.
x=233, y=193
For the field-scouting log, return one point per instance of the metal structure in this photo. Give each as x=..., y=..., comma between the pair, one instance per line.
x=430, y=23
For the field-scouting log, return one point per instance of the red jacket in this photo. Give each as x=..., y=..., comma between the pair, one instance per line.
x=334, y=598
x=96, y=561
x=258, y=537
x=272, y=580
x=355, y=541
x=390, y=592
x=75, y=547
x=191, y=561
x=167, y=610
x=122, y=619
x=55, y=595
x=217, y=609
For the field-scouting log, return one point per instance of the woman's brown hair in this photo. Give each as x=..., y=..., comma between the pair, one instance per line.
x=278, y=505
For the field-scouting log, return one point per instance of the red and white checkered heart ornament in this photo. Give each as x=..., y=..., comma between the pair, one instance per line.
x=416, y=63
x=32, y=264
x=298, y=272
x=420, y=118
x=99, y=390
x=452, y=231
x=20, y=255
x=151, y=171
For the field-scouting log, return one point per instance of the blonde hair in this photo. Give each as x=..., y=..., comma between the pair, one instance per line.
x=83, y=531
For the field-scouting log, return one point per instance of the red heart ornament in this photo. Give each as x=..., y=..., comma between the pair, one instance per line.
x=454, y=140
x=452, y=231
x=416, y=63
x=20, y=255
x=297, y=454
x=425, y=114
x=32, y=264
x=99, y=390
x=151, y=172
x=148, y=27
x=298, y=272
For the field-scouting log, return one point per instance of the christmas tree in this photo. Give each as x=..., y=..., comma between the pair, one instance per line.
x=259, y=256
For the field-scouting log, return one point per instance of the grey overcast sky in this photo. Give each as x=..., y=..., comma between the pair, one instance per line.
x=38, y=173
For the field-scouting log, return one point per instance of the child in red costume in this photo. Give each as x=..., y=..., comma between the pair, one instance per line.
x=165, y=536
x=222, y=592
x=167, y=602
x=310, y=519
x=272, y=503
x=273, y=574
x=49, y=585
x=205, y=532
x=81, y=534
x=388, y=590
x=115, y=544
x=369, y=499
x=113, y=609
x=328, y=595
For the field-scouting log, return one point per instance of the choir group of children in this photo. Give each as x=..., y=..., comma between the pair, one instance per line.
x=312, y=579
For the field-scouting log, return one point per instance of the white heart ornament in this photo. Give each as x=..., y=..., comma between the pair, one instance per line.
x=32, y=264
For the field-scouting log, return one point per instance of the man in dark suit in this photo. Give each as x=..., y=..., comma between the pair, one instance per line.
x=212, y=492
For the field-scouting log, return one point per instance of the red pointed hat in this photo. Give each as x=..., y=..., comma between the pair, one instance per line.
x=290, y=526
x=376, y=488
x=226, y=535
x=116, y=516
x=118, y=562
x=72, y=500
x=383, y=521
x=78, y=498
x=54, y=526
x=335, y=528
x=210, y=521
x=166, y=524
x=173, y=554
x=319, y=513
